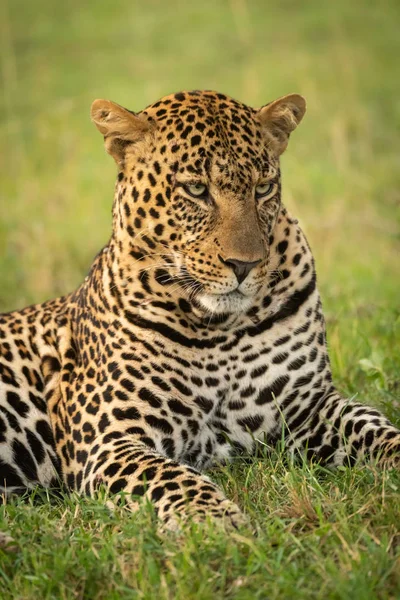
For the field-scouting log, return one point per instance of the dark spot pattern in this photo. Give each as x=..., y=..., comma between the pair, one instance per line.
x=198, y=332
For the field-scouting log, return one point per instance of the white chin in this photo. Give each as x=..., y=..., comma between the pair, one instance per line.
x=218, y=304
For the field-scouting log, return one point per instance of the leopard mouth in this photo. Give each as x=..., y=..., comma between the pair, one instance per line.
x=216, y=303
x=231, y=302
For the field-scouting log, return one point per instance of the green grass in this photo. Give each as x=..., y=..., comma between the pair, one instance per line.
x=319, y=535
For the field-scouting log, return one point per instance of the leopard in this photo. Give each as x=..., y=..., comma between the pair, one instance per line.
x=198, y=333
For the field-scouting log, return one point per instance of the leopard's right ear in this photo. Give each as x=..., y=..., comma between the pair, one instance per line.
x=120, y=127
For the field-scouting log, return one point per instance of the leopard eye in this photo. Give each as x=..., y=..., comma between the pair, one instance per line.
x=197, y=190
x=264, y=189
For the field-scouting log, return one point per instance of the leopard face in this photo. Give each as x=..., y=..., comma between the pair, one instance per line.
x=199, y=190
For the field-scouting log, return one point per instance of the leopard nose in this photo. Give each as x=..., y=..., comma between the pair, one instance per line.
x=241, y=268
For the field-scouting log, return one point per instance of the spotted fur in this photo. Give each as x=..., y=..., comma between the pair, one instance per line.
x=198, y=331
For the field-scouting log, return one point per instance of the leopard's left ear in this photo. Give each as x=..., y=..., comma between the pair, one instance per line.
x=280, y=118
x=120, y=127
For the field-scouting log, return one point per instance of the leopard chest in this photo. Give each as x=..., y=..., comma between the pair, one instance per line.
x=224, y=400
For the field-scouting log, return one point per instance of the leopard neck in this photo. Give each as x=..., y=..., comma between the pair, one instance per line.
x=133, y=285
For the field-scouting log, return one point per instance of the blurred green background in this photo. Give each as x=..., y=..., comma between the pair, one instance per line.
x=341, y=178
x=341, y=173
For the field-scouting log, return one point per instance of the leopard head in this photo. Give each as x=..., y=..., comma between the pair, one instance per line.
x=198, y=190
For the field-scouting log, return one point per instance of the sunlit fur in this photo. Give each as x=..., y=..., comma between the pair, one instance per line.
x=170, y=357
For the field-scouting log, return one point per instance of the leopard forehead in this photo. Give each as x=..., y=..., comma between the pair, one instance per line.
x=201, y=105
x=209, y=131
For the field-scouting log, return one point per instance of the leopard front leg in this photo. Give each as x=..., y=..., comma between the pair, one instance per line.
x=98, y=452
x=178, y=492
x=342, y=432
